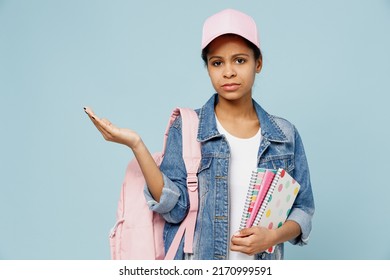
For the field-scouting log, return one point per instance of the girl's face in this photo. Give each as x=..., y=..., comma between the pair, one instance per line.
x=232, y=67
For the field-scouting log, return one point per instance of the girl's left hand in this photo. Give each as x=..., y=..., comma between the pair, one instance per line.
x=252, y=240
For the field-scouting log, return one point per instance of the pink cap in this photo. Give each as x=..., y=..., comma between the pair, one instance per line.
x=229, y=21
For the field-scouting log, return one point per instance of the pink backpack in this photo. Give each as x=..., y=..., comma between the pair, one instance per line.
x=138, y=232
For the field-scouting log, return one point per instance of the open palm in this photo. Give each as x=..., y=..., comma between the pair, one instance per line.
x=113, y=133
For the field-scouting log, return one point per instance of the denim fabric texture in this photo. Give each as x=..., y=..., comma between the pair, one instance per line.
x=280, y=147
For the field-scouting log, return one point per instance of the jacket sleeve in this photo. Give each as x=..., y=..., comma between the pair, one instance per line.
x=303, y=209
x=174, y=200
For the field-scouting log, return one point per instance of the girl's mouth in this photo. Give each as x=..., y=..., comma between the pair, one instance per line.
x=230, y=86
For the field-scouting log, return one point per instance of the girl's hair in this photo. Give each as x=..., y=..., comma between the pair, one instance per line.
x=256, y=50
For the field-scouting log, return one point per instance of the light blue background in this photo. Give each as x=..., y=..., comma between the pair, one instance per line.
x=326, y=69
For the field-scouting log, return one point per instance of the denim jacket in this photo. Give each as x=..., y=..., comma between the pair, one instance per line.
x=280, y=147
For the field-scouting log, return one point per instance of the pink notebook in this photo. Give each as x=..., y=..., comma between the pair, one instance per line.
x=253, y=190
x=262, y=191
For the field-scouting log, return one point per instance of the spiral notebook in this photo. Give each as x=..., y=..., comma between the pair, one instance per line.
x=277, y=203
x=263, y=188
x=251, y=196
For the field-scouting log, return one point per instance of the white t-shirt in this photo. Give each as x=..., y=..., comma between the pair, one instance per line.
x=243, y=160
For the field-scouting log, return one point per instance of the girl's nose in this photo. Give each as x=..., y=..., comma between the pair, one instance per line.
x=229, y=72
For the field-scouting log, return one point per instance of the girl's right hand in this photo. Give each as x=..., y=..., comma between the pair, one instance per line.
x=113, y=133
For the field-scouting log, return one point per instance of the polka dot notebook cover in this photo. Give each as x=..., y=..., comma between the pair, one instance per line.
x=278, y=202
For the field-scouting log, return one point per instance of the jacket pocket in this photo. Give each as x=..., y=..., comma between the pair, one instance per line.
x=285, y=161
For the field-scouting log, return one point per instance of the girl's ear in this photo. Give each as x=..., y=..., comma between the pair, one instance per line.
x=259, y=65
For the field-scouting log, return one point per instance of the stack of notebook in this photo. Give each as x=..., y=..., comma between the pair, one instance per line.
x=271, y=194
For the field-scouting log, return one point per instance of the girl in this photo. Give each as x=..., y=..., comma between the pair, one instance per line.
x=236, y=136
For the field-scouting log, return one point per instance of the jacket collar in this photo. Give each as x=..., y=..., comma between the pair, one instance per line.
x=208, y=126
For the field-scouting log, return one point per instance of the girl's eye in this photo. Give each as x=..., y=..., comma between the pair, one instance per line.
x=240, y=60
x=216, y=63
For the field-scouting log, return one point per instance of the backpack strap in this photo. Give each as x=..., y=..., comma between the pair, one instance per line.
x=191, y=157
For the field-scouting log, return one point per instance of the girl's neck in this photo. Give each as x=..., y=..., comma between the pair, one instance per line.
x=241, y=109
x=238, y=117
